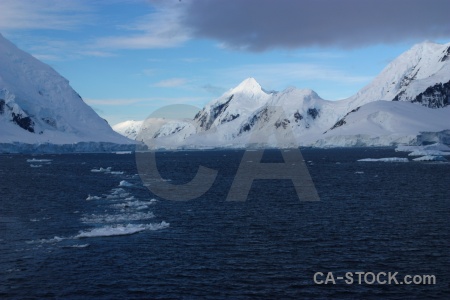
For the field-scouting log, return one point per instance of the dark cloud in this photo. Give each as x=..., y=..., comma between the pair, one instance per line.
x=258, y=25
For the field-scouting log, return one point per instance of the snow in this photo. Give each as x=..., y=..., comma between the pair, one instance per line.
x=385, y=159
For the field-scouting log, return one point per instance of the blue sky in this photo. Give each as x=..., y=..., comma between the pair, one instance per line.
x=129, y=58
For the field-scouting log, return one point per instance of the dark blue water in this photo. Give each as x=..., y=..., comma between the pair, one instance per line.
x=372, y=217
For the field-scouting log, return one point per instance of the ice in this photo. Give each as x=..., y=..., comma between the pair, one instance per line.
x=359, y=172
x=101, y=170
x=53, y=240
x=125, y=183
x=77, y=246
x=133, y=204
x=117, y=218
x=93, y=197
x=34, y=160
x=117, y=172
x=428, y=152
x=123, y=152
x=118, y=230
x=430, y=158
x=385, y=159
x=35, y=166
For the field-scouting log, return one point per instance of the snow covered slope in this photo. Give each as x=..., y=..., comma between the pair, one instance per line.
x=37, y=105
x=421, y=74
x=383, y=123
x=248, y=114
x=130, y=129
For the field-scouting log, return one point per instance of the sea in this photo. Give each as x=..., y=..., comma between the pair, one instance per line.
x=85, y=226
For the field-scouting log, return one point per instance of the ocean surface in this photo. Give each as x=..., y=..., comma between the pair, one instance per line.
x=83, y=226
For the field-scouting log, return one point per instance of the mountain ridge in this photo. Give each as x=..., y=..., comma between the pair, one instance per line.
x=420, y=75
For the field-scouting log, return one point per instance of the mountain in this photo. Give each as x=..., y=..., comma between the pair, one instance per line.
x=129, y=129
x=415, y=89
x=38, y=106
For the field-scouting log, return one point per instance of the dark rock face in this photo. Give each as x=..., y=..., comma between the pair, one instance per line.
x=2, y=106
x=229, y=118
x=24, y=122
x=282, y=123
x=435, y=96
x=50, y=121
x=202, y=116
x=446, y=55
x=297, y=117
x=313, y=113
x=260, y=115
x=342, y=121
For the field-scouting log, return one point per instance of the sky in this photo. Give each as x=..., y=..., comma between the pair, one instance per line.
x=129, y=58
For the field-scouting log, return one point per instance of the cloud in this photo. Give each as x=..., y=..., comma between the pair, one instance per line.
x=214, y=90
x=284, y=72
x=259, y=25
x=159, y=29
x=42, y=14
x=172, y=82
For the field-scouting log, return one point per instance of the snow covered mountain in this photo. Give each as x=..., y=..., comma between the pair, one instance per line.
x=130, y=129
x=38, y=106
x=415, y=87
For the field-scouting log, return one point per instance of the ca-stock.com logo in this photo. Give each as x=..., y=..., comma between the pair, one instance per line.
x=167, y=129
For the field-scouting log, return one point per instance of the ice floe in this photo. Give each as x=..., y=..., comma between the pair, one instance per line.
x=34, y=160
x=109, y=218
x=424, y=152
x=430, y=158
x=385, y=159
x=116, y=172
x=101, y=170
x=93, y=198
x=125, y=183
x=35, y=166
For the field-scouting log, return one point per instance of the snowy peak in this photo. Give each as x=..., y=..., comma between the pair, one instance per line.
x=248, y=87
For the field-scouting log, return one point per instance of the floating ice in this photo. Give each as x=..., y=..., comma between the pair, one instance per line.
x=123, y=152
x=424, y=152
x=35, y=166
x=430, y=158
x=53, y=240
x=385, y=159
x=93, y=197
x=121, y=230
x=34, y=160
x=125, y=183
x=359, y=172
x=116, y=218
x=108, y=169
x=77, y=246
x=117, y=172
